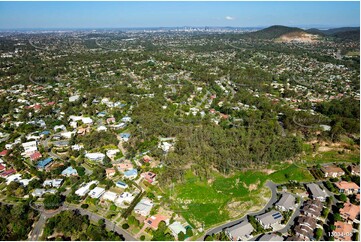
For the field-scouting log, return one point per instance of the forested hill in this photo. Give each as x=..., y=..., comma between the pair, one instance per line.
x=345, y=33
x=273, y=32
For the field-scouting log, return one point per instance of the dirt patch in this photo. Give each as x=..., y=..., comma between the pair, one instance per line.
x=268, y=171
x=236, y=209
x=254, y=186
x=300, y=37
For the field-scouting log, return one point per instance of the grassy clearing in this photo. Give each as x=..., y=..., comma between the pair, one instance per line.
x=292, y=172
x=208, y=202
x=332, y=156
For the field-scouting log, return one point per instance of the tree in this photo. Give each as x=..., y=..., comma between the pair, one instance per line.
x=189, y=232
x=52, y=201
x=80, y=170
x=125, y=226
x=181, y=236
x=337, y=217
x=101, y=223
x=84, y=206
x=318, y=233
x=343, y=197
x=142, y=238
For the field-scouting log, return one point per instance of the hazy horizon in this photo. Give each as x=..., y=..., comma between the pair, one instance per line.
x=114, y=15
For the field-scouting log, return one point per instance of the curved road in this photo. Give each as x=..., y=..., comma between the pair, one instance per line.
x=44, y=215
x=273, y=199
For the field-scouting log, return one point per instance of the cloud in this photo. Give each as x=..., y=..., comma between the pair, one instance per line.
x=229, y=18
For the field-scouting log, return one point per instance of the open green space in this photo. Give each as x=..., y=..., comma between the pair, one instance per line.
x=332, y=156
x=292, y=172
x=207, y=201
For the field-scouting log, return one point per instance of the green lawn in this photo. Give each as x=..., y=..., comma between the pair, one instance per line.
x=333, y=156
x=292, y=172
x=203, y=202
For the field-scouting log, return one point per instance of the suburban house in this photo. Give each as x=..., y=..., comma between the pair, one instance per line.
x=7, y=173
x=312, y=208
x=343, y=231
x=316, y=192
x=354, y=169
x=124, y=137
x=350, y=212
x=287, y=202
x=2, y=168
x=4, y=153
x=241, y=231
x=35, y=156
x=332, y=171
x=13, y=178
x=95, y=156
x=270, y=237
x=124, y=166
x=111, y=196
x=304, y=232
x=149, y=176
x=125, y=197
x=267, y=220
x=38, y=192
x=70, y=171
x=131, y=174
x=110, y=172
x=44, y=163
x=154, y=221
x=29, y=148
x=176, y=228
x=147, y=159
x=143, y=207
x=97, y=192
x=112, y=153
x=53, y=183
x=347, y=187
x=121, y=184
x=85, y=189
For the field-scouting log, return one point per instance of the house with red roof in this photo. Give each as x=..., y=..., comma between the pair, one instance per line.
x=4, y=153
x=2, y=168
x=35, y=156
x=149, y=176
x=8, y=173
x=347, y=187
x=154, y=221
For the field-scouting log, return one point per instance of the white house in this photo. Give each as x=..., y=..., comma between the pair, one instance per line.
x=30, y=147
x=96, y=192
x=125, y=197
x=143, y=207
x=111, y=196
x=95, y=156
x=176, y=228
x=85, y=189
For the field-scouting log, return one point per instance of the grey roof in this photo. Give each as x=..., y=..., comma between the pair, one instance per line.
x=316, y=191
x=241, y=229
x=271, y=217
x=287, y=201
x=271, y=237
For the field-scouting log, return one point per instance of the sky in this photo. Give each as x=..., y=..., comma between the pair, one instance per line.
x=15, y=15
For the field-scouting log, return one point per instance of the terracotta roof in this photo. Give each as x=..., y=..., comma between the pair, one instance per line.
x=350, y=211
x=343, y=230
x=4, y=153
x=346, y=185
x=333, y=169
x=35, y=156
x=154, y=221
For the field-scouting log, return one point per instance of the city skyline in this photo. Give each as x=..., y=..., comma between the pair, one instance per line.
x=62, y=15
